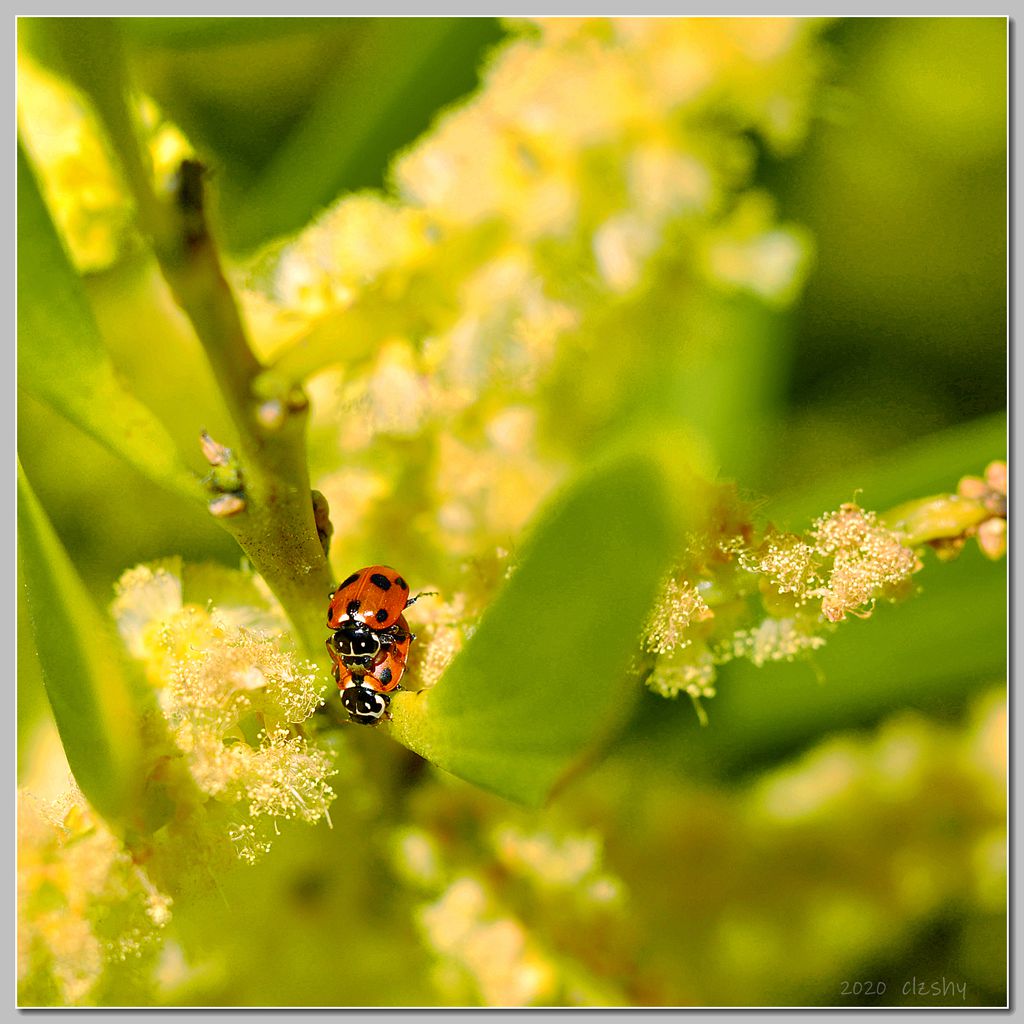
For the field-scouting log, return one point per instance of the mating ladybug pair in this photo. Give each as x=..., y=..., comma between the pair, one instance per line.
x=371, y=640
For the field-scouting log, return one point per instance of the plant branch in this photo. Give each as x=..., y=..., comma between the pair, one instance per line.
x=946, y=521
x=271, y=514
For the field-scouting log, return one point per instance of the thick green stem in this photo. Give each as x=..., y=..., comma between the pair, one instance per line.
x=273, y=521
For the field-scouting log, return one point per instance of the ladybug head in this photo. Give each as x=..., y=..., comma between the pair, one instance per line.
x=354, y=639
x=364, y=704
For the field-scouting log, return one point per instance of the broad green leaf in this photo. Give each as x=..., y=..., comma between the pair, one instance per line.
x=545, y=676
x=62, y=361
x=83, y=672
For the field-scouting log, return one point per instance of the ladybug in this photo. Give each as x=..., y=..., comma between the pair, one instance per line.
x=365, y=688
x=371, y=640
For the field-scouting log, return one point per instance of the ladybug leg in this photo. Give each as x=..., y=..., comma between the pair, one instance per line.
x=386, y=638
x=426, y=593
x=393, y=635
x=335, y=663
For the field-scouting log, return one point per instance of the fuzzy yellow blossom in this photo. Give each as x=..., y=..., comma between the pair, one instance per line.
x=79, y=178
x=770, y=596
x=283, y=777
x=360, y=243
x=789, y=563
x=867, y=560
x=571, y=862
x=600, y=160
x=679, y=606
x=233, y=699
x=775, y=640
x=487, y=489
x=893, y=767
x=495, y=950
x=83, y=904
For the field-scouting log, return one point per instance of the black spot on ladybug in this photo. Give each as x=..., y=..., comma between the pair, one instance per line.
x=385, y=676
x=382, y=615
x=380, y=581
x=353, y=607
x=399, y=582
x=348, y=582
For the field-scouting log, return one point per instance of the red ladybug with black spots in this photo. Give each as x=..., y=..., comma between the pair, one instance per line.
x=371, y=639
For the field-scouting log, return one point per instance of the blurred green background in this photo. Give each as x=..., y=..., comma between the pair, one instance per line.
x=888, y=375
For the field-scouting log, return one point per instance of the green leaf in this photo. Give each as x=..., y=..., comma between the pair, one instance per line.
x=62, y=361
x=545, y=676
x=84, y=674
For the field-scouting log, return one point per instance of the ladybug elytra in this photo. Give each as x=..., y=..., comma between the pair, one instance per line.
x=371, y=640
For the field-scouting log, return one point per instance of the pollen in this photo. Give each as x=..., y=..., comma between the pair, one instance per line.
x=679, y=606
x=868, y=560
x=689, y=669
x=789, y=563
x=775, y=640
x=441, y=633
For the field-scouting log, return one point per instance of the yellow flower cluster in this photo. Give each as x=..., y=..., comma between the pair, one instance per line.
x=570, y=863
x=79, y=177
x=83, y=904
x=868, y=560
x=483, y=946
x=488, y=951
x=769, y=597
x=601, y=160
x=233, y=699
x=233, y=702
x=876, y=812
